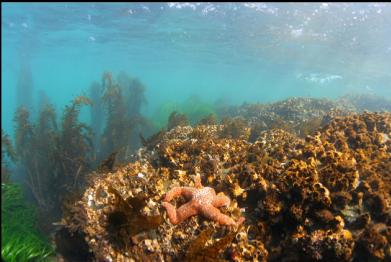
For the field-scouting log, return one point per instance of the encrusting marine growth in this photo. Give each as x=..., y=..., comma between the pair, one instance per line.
x=322, y=198
x=202, y=200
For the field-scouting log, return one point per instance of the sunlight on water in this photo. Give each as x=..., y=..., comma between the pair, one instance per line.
x=200, y=48
x=136, y=71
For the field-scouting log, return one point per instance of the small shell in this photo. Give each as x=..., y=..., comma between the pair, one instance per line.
x=237, y=190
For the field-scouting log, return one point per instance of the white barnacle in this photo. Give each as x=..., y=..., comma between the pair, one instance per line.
x=91, y=201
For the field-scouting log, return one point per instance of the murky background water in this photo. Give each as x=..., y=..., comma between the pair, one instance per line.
x=240, y=52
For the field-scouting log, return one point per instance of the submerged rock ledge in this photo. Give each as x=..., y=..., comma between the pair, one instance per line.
x=322, y=198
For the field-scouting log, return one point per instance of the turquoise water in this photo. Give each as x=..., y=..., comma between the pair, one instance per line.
x=254, y=52
x=197, y=59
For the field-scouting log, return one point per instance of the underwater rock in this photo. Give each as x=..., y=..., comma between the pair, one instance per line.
x=235, y=128
x=325, y=245
x=327, y=195
x=375, y=240
x=362, y=102
x=297, y=115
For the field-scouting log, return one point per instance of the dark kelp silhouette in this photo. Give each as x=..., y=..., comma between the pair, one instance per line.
x=53, y=160
x=123, y=100
x=7, y=153
x=75, y=145
x=116, y=135
x=97, y=111
x=208, y=120
x=24, y=87
x=177, y=119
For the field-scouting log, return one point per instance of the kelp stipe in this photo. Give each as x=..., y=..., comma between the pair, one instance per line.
x=97, y=112
x=123, y=100
x=75, y=145
x=116, y=134
x=7, y=152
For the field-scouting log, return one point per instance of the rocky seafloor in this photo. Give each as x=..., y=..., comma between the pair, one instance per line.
x=321, y=197
x=303, y=115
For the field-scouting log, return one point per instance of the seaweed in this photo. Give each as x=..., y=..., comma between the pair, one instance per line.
x=198, y=244
x=208, y=120
x=74, y=146
x=7, y=152
x=24, y=147
x=127, y=220
x=53, y=161
x=256, y=130
x=279, y=123
x=23, y=134
x=96, y=111
x=310, y=126
x=134, y=96
x=234, y=128
x=43, y=100
x=20, y=239
x=153, y=140
x=197, y=251
x=29, y=149
x=115, y=136
x=24, y=87
x=108, y=164
x=133, y=90
x=177, y=119
x=123, y=102
x=193, y=107
x=43, y=164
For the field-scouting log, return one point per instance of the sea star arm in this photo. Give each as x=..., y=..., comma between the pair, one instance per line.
x=176, y=216
x=221, y=200
x=213, y=213
x=178, y=191
x=197, y=181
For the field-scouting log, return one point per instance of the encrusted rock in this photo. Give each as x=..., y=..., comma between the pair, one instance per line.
x=327, y=195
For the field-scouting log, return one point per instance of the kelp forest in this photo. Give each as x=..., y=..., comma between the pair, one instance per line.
x=51, y=155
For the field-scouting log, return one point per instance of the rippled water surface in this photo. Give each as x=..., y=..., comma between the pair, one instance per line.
x=243, y=52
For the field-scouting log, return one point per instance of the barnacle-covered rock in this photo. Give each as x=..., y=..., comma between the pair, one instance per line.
x=327, y=245
x=297, y=115
x=327, y=195
x=375, y=241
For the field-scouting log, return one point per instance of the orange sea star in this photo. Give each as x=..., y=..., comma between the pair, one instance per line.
x=202, y=200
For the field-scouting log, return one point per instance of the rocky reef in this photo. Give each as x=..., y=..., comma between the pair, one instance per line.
x=321, y=197
x=369, y=102
x=297, y=115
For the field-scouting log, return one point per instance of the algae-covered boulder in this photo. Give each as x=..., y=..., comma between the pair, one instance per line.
x=325, y=197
